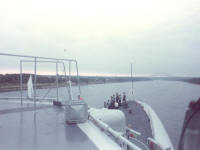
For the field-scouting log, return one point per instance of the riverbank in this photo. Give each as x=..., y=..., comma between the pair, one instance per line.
x=10, y=82
x=16, y=87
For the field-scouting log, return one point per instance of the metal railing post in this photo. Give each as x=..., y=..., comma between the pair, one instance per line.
x=35, y=77
x=78, y=79
x=21, y=82
x=132, y=77
x=35, y=60
x=57, y=81
x=69, y=70
x=64, y=69
x=70, y=89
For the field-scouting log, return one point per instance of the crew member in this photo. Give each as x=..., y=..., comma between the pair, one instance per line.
x=120, y=100
x=117, y=97
x=124, y=97
x=124, y=100
x=108, y=104
x=116, y=105
x=113, y=102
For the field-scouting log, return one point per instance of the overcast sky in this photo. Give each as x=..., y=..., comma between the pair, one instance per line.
x=159, y=37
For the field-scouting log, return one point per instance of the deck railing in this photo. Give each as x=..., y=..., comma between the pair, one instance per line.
x=118, y=136
x=36, y=60
x=154, y=145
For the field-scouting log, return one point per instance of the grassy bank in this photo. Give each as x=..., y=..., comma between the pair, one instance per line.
x=10, y=82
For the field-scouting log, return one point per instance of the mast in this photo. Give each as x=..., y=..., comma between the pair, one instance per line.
x=132, y=77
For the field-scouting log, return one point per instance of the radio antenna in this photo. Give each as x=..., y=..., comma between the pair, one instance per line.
x=132, y=77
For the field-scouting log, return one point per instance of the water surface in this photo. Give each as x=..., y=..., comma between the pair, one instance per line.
x=168, y=99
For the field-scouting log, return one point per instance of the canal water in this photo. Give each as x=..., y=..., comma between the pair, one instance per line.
x=168, y=99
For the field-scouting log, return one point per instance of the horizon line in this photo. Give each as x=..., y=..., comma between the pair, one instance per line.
x=99, y=74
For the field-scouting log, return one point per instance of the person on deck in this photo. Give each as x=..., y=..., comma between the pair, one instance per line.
x=113, y=102
x=120, y=100
x=116, y=105
x=108, y=104
x=125, y=104
x=124, y=97
x=117, y=97
x=114, y=97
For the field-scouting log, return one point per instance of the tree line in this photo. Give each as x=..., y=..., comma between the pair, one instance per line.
x=15, y=78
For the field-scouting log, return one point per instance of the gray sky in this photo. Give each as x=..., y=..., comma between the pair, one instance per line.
x=159, y=37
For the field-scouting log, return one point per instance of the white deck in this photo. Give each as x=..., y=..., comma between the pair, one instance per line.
x=25, y=129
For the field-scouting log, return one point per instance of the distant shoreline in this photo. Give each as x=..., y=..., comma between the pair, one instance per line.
x=10, y=82
x=11, y=88
x=16, y=87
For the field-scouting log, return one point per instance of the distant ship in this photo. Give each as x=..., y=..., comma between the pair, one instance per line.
x=42, y=123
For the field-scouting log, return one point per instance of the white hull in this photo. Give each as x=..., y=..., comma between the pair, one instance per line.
x=158, y=130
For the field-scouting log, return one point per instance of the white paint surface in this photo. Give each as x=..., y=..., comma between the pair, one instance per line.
x=112, y=117
x=30, y=88
x=100, y=139
x=159, y=132
x=28, y=102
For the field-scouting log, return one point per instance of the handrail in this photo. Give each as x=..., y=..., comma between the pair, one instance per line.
x=133, y=131
x=43, y=61
x=152, y=142
x=114, y=133
x=134, y=138
x=37, y=59
x=138, y=141
x=78, y=79
x=28, y=56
